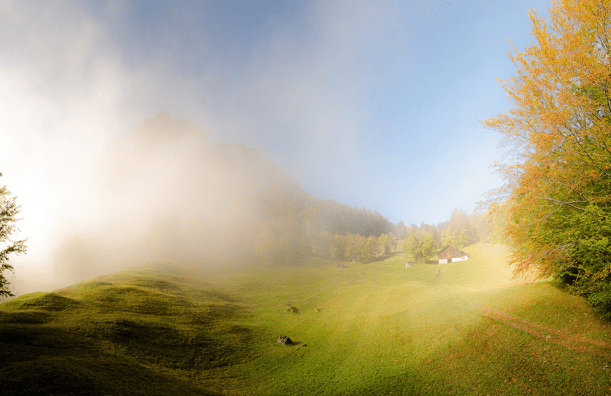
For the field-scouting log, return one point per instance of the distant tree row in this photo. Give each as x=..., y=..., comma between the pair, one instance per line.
x=463, y=229
x=286, y=240
x=328, y=215
x=359, y=248
x=342, y=219
x=301, y=226
x=297, y=228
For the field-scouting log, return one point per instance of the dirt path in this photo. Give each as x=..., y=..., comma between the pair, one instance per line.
x=558, y=337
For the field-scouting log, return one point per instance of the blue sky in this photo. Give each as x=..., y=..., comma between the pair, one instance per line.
x=370, y=103
x=373, y=104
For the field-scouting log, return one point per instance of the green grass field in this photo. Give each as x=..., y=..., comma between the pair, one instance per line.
x=359, y=329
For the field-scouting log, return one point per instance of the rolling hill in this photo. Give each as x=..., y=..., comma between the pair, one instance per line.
x=376, y=328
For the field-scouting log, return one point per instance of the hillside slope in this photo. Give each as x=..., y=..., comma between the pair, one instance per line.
x=149, y=331
x=461, y=328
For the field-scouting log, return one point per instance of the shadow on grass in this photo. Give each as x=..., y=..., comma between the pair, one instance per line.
x=99, y=375
x=158, y=337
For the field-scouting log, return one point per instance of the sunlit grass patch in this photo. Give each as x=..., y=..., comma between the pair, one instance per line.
x=387, y=328
x=498, y=359
x=42, y=301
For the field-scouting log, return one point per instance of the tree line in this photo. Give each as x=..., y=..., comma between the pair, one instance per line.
x=463, y=229
x=302, y=226
x=297, y=229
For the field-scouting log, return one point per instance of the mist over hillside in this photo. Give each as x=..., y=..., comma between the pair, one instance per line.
x=165, y=193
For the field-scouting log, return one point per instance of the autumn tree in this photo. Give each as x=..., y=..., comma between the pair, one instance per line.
x=557, y=170
x=368, y=247
x=353, y=249
x=8, y=216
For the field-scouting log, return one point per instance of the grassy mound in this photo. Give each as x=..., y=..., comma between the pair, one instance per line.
x=146, y=331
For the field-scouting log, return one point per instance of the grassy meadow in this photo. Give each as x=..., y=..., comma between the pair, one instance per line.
x=358, y=329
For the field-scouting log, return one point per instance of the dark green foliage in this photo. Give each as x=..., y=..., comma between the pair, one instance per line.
x=586, y=254
x=91, y=375
x=601, y=300
x=568, y=276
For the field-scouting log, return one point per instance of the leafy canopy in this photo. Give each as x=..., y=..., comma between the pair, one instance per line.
x=420, y=245
x=557, y=170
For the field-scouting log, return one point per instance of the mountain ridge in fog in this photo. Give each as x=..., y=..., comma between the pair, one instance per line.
x=165, y=193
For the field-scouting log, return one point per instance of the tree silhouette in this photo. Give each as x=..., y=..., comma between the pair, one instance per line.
x=8, y=212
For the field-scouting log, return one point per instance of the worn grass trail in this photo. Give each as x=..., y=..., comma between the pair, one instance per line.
x=548, y=334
